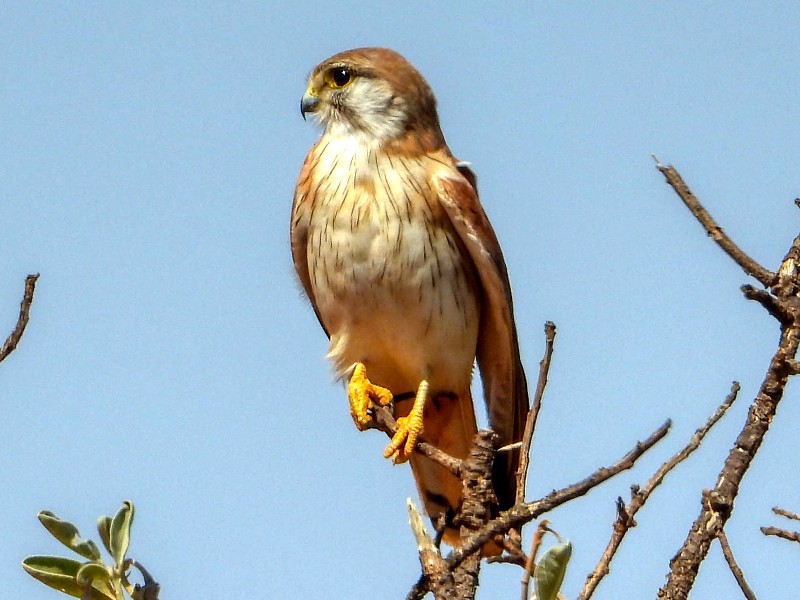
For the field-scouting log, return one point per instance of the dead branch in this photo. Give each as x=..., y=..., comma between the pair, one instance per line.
x=22, y=321
x=478, y=499
x=514, y=545
x=717, y=503
x=792, y=536
x=782, y=311
x=476, y=507
x=530, y=563
x=533, y=413
x=521, y=514
x=714, y=231
x=737, y=572
x=434, y=570
x=639, y=496
x=782, y=512
x=385, y=421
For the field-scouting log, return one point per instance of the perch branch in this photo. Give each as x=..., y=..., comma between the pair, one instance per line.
x=386, y=422
x=639, y=496
x=714, y=231
x=24, y=314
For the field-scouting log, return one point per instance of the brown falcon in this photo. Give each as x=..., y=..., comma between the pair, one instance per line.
x=404, y=270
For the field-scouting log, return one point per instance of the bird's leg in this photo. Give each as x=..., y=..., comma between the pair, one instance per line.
x=409, y=428
x=363, y=395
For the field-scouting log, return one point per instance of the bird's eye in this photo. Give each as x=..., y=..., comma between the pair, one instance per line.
x=338, y=77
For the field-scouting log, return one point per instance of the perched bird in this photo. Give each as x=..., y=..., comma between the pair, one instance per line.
x=404, y=271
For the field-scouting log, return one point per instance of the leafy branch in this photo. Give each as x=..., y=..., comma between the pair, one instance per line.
x=92, y=578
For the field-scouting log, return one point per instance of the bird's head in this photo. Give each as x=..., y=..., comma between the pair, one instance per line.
x=373, y=93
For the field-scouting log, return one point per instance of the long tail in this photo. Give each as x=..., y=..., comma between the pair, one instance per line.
x=450, y=425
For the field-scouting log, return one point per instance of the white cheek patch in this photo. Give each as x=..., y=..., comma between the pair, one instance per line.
x=371, y=110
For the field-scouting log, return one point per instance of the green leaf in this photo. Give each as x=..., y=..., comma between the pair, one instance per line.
x=92, y=572
x=104, y=531
x=66, y=533
x=61, y=574
x=120, y=532
x=551, y=570
x=98, y=576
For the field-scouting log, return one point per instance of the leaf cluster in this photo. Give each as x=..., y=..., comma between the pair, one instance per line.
x=92, y=578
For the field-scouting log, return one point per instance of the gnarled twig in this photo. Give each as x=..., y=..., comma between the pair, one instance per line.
x=24, y=314
x=718, y=502
x=715, y=232
x=625, y=513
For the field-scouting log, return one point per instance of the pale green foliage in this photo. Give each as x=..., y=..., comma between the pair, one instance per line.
x=550, y=571
x=92, y=579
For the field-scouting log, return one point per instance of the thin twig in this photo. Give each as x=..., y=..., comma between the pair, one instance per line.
x=781, y=310
x=639, y=496
x=533, y=413
x=737, y=572
x=792, y=536
x=386, y=422
x=524, y=513
x=24, y=314
x=151, y=588
x=531, y=562
x=782, y=512
x=715, y=232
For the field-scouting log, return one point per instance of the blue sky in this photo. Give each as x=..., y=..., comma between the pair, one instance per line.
x=147, y=160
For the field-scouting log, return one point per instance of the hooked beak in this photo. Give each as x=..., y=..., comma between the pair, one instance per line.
x=309, y=103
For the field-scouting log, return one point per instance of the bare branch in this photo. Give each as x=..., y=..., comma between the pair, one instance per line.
x=385, y=421
x=533, y=413
x=778, y=308
x=478, y=499
x=434, y=569
x=737, y=572
x=782, y=512
x=639, y=496
x=792, y=536
x=530, y=563
x=714, y=231
x=24, y=314
x=717, y=503
x=524, y=513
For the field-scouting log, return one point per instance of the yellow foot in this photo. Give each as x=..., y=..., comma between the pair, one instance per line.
x=364, y=395
x=408, y=429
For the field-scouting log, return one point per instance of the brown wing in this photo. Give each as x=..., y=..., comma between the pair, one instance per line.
x=301, y=213
x=504, y=385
